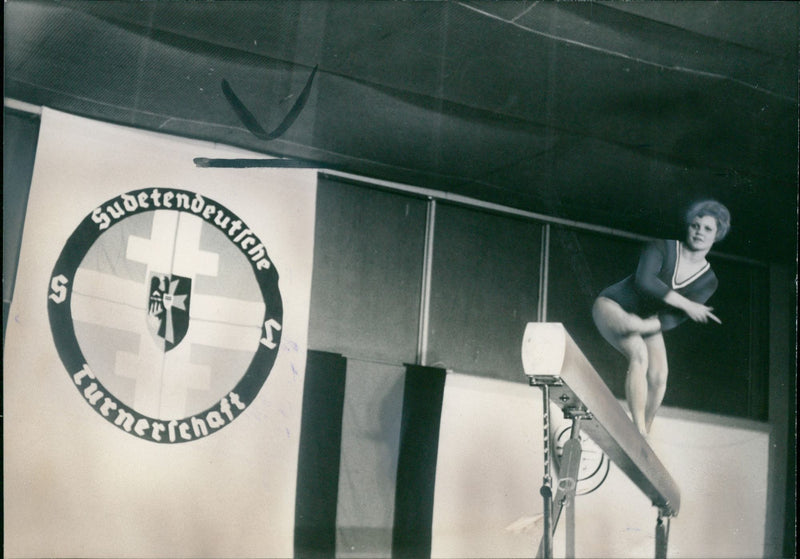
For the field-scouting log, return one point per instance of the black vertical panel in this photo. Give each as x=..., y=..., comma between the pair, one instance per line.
x=790, y=510
x=368, y=256
x=759, y=343
x=20, y=133
x=484, y=290
x=416, y=467
x=723, y=368
x=319, y=456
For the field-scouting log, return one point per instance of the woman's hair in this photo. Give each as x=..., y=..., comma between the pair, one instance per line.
x=715, y=210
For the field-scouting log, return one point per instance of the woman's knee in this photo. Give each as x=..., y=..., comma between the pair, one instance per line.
x=658, y=368
x=657, y=374
x=636, y=352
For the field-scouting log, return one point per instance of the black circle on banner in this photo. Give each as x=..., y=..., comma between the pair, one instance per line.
x=59, y=304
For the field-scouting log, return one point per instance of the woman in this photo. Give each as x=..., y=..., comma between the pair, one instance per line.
x=672, y=283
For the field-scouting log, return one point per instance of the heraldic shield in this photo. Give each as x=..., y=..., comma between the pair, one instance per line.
x=168, y=308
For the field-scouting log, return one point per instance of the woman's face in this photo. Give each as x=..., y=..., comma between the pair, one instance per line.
x=702, y=233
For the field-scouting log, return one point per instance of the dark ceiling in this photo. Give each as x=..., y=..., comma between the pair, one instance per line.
x=612, y=113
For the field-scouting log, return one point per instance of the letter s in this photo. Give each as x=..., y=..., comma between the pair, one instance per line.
x=101, y=218
x=269, y=339
x=58, y=285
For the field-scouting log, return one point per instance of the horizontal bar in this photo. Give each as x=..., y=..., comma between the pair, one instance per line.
x=470, y=202
x=550, y=356
x=22, y=106
x=480, y=204
x=256, y=163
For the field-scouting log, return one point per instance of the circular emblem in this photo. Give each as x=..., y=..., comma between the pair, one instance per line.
x=166, y=313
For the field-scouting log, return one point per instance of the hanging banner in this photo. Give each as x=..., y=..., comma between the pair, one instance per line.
x=155, y=349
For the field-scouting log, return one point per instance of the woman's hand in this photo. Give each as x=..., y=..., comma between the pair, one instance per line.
x=700, y=313
x=696, y=311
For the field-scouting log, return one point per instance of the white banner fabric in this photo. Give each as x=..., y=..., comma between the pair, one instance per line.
x=155, y=350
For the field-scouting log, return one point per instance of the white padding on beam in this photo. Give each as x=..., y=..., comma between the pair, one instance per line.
x=549, y=351
x=543, y=348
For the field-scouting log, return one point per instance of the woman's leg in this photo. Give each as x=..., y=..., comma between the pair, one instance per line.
x=623, y=331
x=621, y=322
x=657, y=371
x=634, y=349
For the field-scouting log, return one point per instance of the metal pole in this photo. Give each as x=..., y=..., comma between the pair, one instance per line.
x=547, y=489
x=425, y=292
x=570, y=519
x=544, y=274
x=570, y=530
x=662, y=536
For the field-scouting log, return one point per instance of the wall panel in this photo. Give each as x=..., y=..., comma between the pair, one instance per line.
x=20, y=132
x=484, y=290
x=368, y=259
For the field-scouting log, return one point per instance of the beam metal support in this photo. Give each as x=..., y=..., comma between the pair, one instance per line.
x=553, y=361
x=546, y=546
x=662, y=536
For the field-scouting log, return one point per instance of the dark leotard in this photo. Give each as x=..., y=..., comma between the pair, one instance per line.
x=642, y=293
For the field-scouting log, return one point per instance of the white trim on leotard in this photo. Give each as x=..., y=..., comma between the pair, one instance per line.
x=690, y=279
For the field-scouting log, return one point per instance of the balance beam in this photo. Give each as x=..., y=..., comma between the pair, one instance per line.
x=551, y=357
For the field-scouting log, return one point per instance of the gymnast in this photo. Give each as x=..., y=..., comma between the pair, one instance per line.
x=672, y=282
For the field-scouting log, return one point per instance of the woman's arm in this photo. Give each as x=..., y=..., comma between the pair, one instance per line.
x=646, y=278
x=647, y=281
